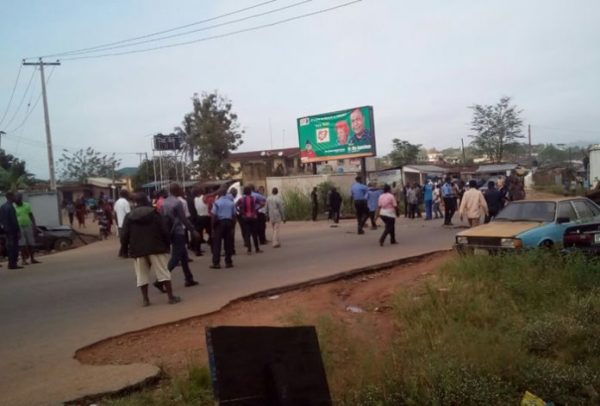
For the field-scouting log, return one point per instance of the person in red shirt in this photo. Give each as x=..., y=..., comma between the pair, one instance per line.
x=248, y=210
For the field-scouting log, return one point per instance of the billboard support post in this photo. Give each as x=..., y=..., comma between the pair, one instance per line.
x=363, y=169
x=314, y=168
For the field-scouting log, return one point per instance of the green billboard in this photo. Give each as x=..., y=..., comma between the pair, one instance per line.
x=337, y=135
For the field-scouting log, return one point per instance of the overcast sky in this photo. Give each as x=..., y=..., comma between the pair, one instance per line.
x=419, y=64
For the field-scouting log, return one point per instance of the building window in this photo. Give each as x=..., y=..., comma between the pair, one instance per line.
x=340, y=162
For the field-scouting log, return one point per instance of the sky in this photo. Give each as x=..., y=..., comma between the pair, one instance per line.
x=419, y=64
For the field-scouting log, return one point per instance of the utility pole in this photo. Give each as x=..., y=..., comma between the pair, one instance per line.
x=41, y=64
x=1, y=134
x=462, y=142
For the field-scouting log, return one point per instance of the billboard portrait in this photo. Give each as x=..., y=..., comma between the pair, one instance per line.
x=337, y=135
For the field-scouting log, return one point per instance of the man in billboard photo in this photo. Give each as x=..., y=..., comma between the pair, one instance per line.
x=342, y=130
x=361, y=135
x=307, y=152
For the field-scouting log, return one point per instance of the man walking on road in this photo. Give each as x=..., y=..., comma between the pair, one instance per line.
x=358, y=192
x=121, y=209
x=372, y=201
x=276, y=214
x=261, y=214
x=473, y=205
x=172, y=209
x=223, y=217
x=314, y=200
x=335, y=204
x=449, y=196
x=10, y=225
x=494, y=199
x=145, y=238
x=27, y=229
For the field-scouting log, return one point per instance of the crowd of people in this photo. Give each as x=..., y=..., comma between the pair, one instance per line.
x=157, y=233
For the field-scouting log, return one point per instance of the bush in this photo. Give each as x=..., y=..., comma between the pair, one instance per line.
x=297, y=205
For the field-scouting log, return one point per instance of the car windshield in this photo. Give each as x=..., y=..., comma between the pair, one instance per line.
x=528, y=211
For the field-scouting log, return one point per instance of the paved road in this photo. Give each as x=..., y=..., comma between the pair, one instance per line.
x=75, y=298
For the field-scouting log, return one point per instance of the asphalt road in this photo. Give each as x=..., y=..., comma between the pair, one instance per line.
x=75, y=298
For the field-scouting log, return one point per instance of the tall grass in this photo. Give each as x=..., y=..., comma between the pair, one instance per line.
x=490, y=328
x=297, y=205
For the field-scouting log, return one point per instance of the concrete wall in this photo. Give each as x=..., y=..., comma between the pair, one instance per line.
x=306, y=183
x=44, y=206
x=594, y=165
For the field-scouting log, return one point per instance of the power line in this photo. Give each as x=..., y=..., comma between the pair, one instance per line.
x=160, y=32
x=180, y=34
x=12, y=94
x=22, y=99
x=34, y=104
x=567, y=130
x=228, y=34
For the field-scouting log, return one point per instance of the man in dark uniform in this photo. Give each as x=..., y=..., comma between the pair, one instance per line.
x=223, y=215
x=10, y=225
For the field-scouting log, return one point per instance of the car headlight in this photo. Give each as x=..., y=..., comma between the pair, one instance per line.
x=462, y=240
x=511, y=243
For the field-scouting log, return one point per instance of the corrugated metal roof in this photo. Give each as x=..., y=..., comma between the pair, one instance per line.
x=496, y=168
x=425, y=168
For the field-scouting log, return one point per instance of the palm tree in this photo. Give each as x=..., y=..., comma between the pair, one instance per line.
x=11, y=180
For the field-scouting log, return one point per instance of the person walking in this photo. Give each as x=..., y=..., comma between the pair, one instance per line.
x=80, y=211
x=428, y=199
x=10, y=226
x=276, y=214
x=70, y=209
x=261, y=214
x=335, y=205
x=449, y=197
x=172, y=209
x=27, y=229
x=495, y=201
x=145, y=238
x=473, y=205
x=358, y=193
x=121, y=209
x=314, y=200
x=437, y=202
x=388, y=211
x=223, y=219
x=203, y=220
x=249, y=212
x=413, y=201
x=405, y=198
x=372, y=200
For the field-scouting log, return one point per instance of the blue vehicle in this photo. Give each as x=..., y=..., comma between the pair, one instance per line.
x=529, y=224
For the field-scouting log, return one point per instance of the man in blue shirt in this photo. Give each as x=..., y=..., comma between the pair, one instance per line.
x=358, y=193
x=372, y=203
x=428, y=199
x=223, y=217
x=449, y=196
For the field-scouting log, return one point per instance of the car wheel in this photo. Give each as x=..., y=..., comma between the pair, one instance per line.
x=547, y=244
x=62, y=244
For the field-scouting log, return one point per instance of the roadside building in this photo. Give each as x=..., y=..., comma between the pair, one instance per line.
x=420, y=173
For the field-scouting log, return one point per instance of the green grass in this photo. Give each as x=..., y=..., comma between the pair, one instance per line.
x=559, y=190
x=191, y=388
x=490, y=328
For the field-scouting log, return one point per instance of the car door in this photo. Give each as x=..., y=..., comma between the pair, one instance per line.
x=564, y=209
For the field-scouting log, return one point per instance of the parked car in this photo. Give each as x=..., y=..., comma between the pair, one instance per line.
x=57, y=238
x=584, y=237
x=529, y=224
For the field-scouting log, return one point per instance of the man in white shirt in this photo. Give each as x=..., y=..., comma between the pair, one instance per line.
x=121, y=208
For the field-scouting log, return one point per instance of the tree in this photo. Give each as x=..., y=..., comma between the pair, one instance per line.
x=497, y=128
x=211, y=132
x=86, y=163
x=13, y=175
x=404, y=153
x=551, y=154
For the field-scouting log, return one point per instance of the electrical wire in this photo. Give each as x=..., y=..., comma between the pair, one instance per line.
x=34, y=105
x=180, y=34
x=212, y=37
x=566, y=130
x=22, y=99
x=160, y=32
x=12, y=94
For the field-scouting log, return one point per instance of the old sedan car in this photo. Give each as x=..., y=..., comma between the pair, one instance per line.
x=584, y=238
x=528, y=224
